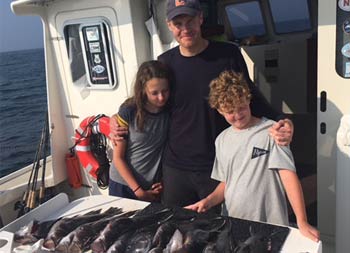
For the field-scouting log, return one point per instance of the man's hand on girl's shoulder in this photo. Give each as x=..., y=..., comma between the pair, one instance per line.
x=117, y=132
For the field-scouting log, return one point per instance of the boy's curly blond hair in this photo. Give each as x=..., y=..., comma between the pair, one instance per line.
x=228, y=91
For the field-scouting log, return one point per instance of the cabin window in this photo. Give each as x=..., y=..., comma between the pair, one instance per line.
x=290, y=16
x=342, y=55
x=90, y=54
x=245, y=19
x=254, y=22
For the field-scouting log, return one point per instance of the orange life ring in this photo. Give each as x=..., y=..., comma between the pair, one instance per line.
x=92, y=124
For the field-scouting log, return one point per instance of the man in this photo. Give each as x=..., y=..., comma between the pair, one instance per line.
x=189, y=154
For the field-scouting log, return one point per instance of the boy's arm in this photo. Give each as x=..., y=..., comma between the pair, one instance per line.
x=213, y=199
x=295, y=196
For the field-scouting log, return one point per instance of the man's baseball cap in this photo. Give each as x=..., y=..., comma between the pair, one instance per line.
x=182, y=7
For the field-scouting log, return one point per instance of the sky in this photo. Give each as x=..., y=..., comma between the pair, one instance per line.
x=18, y=32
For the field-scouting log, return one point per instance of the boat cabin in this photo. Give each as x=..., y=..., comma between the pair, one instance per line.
x=297, y=53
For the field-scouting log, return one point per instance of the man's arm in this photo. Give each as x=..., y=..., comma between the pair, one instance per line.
x=282, y=132
x=117, y=132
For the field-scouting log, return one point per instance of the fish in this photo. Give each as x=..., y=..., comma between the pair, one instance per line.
x=156, y=250
x=195, y=240
x=258, y=242
x=116, y=227
x=88, y=232
x=67, y=240
x=148, y=225
x=121, y=243
x=154, y=229
x=225, y=241
x=111, y=232
x=199, y=232
x=211, y=248
x=33, y=231
x=64, y=243
x=36, y=230
x=163, y=235
x=35, y=248
x=67, y=224
x=142, y=239
x=175, y=244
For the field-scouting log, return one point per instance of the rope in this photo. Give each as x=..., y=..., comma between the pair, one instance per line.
x=98, y=144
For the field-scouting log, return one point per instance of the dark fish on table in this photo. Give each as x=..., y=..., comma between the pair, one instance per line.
x=195, y=240
x=175, y=244
x=33, y=231
x=67, y=224
x=212, y=224
x=224, y=242
x=141, y=240
x=257, y=243
x=199, y=232
x=156, y=250
x=117, y=227
x=88, y=232
x=178, y=213
x=111, y=232
x=211, y=248
x=56, y=228
x=148, y=225
x=162, y=215
x=64, y=243
x=121, y=243
x=163, y=235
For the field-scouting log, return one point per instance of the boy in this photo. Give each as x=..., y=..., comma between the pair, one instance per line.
x=253, y=171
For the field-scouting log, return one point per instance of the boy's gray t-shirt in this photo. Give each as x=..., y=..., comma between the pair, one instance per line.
x=248, y=161
x=144, y=149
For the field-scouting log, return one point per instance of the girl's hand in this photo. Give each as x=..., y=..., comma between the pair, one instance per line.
x=157, y=188
x=309, y=231
x=149, y=195
x=282, y=132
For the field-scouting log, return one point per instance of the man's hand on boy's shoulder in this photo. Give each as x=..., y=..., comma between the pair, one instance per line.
x=282, y=132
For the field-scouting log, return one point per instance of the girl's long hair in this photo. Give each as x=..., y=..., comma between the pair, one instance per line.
x=147, y=71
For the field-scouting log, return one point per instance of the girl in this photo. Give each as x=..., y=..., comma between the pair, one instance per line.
x=136, y=158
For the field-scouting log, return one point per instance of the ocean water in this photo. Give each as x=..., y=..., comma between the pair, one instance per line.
x=23, y=106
